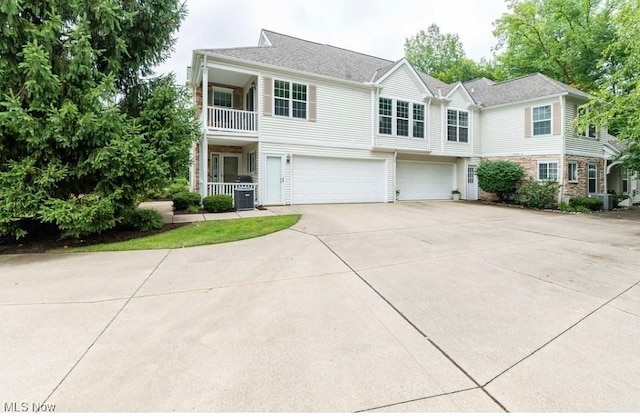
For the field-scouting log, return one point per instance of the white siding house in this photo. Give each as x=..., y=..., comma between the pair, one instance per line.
x=302, y=123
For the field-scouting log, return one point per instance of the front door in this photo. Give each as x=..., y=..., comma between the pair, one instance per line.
x=230, y=166
x=472, y=183
x=274, y=180
x=592, y=178
x=224, y=168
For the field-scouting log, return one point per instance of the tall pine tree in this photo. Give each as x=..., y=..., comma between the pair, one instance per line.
x=83, y=131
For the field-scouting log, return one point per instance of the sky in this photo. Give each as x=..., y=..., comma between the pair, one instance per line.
x=374, y=27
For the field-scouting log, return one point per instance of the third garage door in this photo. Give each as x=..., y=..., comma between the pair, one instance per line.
x=420, y=180
x=338, y=180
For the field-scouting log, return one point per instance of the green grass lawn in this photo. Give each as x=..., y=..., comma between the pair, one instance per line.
x=200, y=233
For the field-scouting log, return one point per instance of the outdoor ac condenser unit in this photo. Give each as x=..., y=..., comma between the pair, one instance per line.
x=244, y=199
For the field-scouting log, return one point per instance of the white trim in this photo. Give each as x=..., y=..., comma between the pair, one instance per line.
x=577, y=172
x=533, y=135
x=556, y=162
x=412, y=72
x=596, y=178
x=264, y=39
x=394, y=118
x=265, y=174
x=446, y=125
x=535, y=99
x=276, y=69
x=291, y=99
x=464, y=89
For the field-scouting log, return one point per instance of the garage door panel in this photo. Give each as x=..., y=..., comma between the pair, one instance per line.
x=337, y=180
x=419, y=180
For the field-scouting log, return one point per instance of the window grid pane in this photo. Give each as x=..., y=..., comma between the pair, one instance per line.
x=463, y=134
x=403, y=110
x=299, y=109
x=542, y=120
x=385, y=107
x=418, y=129
x=418, y=112
x=457, y=126
x=281, y=107
x=572, y=174
x=299, y=92
x=221, y=99
x=403, y=127
x=281, y=89
x=385, y=125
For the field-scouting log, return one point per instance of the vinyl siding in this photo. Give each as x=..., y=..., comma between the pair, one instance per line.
x=462, y=149
x=343, y=116
x=401, y=84
x=503, y=133
x=299, y=149
x=458, y=100
x=577, y=144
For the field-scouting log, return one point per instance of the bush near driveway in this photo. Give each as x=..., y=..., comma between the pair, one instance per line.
x=500, y=177
x=591, y=203
x=538, y=195
x=183, y=200
x=217, y=203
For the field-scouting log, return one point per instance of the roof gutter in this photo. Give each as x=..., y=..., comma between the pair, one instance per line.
x=277, y=68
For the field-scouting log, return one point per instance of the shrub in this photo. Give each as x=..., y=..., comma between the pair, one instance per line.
x=143, y=220
x=619, y=197
x=193, y=209
x=566, y=207
x=217, y=203
x=500, y=177
x=183, y=200
x=534, y=194
x=591, y=203
x=177, y=185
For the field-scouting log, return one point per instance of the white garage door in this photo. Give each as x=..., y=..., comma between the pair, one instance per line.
x=418, y=180
x=337, y=180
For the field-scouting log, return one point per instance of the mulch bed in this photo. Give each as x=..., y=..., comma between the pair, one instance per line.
x=41, y=243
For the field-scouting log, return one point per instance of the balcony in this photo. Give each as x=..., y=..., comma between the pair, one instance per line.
x=226, y=120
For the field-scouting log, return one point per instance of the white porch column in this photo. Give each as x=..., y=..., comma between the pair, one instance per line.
x=204, y=147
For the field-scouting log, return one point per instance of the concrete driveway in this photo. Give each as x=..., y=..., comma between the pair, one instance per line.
x=430, y=306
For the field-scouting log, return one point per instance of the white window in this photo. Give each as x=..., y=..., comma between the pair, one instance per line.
x=222, y=99
x=251, y=163
x=625, y=180
x=457, y=126
x=572, y=171
x=401, y=118
x=592, y=178
x=548, y=170
x=385, y=110
x=289, y=99
x=418, y=120
x=542, y=120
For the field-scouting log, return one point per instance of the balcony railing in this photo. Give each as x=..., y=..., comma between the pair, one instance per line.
x=231, y=120
x=229, y=188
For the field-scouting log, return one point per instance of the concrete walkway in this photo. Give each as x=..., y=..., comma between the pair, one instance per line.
x=166, y=210
x=414, y=306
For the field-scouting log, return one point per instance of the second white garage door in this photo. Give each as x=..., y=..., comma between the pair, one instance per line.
x=337, y=180
x=419, y=180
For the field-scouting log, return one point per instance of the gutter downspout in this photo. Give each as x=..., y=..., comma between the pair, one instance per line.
x=563, y=184
x=395, y=178
x=204, y=148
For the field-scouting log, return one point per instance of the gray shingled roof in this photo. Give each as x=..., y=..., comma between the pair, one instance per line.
x=489, y=93
x=297, y=54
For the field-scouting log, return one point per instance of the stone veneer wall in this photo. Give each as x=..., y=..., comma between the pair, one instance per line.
x=530, y=165
x=579, y=188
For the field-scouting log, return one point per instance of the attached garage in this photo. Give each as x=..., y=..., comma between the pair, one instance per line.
x=418, y=180
x=337, y=180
